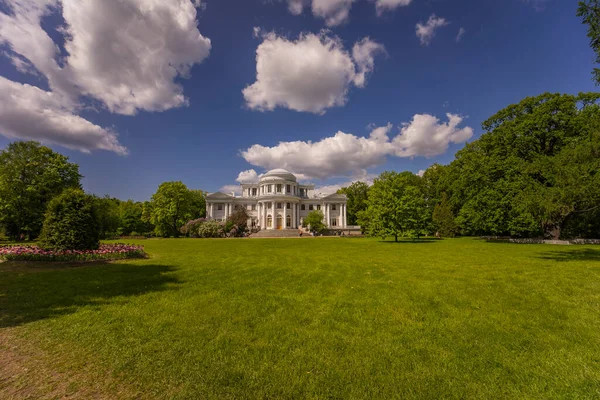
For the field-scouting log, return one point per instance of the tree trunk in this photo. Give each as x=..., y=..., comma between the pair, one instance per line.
x=396, y=237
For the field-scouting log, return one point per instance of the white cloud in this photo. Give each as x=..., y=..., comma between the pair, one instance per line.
x=296, y=6
x=361, y=176
x=346, y=154
x=334, y=12
x=126, y=54
x=363, y=54
x=426, y=32
x=388, y=5
x=461, y=33
x=310, y=74
x=248, y=176
x=27, y=112
x=228, y=189
x=426, y=136
x=337, y=12
x=420, y=173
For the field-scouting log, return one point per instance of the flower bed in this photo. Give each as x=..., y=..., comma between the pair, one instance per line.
x=106, y=252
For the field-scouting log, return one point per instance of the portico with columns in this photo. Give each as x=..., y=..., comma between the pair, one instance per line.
x=278, y=201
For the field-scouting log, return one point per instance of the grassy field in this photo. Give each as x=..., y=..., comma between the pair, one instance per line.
x=307, y=318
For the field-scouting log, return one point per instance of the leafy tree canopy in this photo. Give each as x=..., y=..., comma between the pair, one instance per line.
x=357, y=194
x=30, y=176
x=396, y=206
x=314, y=220
x=172, y=206
x=535, y=168
x=589, y=10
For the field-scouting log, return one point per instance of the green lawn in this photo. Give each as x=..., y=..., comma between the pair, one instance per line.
x=307, y=318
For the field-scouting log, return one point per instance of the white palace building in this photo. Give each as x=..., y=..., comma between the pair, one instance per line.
x=278, y=201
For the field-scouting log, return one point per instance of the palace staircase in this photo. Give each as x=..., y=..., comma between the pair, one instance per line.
x=278, y=233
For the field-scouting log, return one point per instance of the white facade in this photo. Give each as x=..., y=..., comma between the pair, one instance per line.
x=278, y=201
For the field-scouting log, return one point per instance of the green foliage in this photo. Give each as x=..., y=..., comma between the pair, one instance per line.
x=396, y=206
x=30, y=176
x=211, y=229
x=443, y=219
x=108, y=216
x=172, y=206
x=357, y=194
x=589, y=10
x=130, y=219
x=71, y=223
x=534, y=169
x=314, y=220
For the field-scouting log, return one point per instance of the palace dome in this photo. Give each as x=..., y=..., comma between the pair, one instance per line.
x=279, y=173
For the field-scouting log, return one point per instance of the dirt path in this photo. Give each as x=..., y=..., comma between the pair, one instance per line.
x=27, y=372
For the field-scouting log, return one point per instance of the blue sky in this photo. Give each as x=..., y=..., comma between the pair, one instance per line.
x=113, y=95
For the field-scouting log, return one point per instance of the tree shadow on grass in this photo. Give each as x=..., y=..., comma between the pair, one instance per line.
x=572, y=255
x=410, y=241
x=29, y=294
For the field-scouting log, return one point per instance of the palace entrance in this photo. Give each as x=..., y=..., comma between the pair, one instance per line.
x=279, y=222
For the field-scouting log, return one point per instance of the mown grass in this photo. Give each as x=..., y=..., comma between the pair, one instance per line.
x=316, y=318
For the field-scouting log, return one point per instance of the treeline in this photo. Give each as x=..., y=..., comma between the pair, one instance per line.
x=535, y=172
x=32, y=175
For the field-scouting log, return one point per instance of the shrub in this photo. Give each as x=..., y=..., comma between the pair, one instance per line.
x=191, y=227
x=211, y=229
x=70, y=223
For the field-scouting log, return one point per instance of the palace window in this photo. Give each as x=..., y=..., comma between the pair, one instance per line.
x=310, y=207
x=269, y=205
x=288, y=188
x=220, y=207
x=279, y=188
x=303, y=207
x=253, y=207
x=318, y=206
x=333, y=207
x=253, y=191
x=289, y=205
x=279, y=206
x=269, y=188
x=333, y=221
x=269, y=221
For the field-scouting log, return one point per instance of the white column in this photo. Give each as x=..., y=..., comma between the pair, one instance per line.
x=344, y=215
x=284, y=215
x=293, y=215
x=327, y=221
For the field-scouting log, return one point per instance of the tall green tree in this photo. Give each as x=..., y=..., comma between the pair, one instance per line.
x=108, y=216
x=357, y=194
x=171, y=207
x=131, y=220
x=396, y=206
x=589, y=11
x=532, y=171
x=443, y=218
x=30, y=176
x=315, y=220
